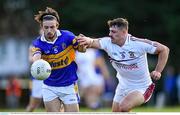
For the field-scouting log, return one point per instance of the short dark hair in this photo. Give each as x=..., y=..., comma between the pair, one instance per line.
x=48, y=14
x=119, y=22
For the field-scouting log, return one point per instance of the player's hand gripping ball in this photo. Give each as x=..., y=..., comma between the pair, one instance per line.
x=40, y=69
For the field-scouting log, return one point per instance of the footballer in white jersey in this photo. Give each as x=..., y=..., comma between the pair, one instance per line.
x=128, y=56
x=130, y=61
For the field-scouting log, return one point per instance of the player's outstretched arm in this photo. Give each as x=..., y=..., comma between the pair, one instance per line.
x=89, y=42
x=163, y=53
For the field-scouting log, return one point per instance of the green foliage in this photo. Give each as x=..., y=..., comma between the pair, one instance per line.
x=156, y=20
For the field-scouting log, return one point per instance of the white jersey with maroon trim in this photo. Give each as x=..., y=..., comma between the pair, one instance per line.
x=130, y=60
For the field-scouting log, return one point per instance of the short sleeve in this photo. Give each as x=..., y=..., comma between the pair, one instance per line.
x=72, y=38
x=104, y=41
x=75, y=43
x=147, y=47
x=35, y=49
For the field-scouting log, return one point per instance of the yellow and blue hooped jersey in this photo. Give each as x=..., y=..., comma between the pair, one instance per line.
x=61, y=56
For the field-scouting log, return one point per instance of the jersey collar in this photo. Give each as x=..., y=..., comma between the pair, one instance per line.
x=58, y=33
x=127, y=39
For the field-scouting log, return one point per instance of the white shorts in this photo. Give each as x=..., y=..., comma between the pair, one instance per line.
x=97, y=80
x=36, y=91
x=67, y=94
x=122, y=93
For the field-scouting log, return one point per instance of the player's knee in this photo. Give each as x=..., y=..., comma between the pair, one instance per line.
x=124, y=107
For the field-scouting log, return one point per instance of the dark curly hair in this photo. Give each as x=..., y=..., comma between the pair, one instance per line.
x=48, y=14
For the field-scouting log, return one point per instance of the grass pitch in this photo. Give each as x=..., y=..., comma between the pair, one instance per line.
x=83, y=109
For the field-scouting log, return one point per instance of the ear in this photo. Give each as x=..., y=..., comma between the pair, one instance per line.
x=57, y=25
x=124, y=31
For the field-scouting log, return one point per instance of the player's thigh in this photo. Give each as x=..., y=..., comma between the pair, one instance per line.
x=36, y=88
x=70, y=102
x=53, y=106
x=71, y=107
x=94, y=90
x=133, y=99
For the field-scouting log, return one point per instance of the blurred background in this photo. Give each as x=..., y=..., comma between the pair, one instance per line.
x=154, y=20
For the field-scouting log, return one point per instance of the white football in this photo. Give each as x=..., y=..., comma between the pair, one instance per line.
x=40, y=69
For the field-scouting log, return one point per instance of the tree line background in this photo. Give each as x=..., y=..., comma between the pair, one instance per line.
x=155, y=20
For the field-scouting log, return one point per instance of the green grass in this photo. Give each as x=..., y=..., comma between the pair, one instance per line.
x=153, y=109
x=139, y=109
x=83, y=109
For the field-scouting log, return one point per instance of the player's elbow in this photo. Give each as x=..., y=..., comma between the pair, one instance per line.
x=165, y=49
x=162, y=49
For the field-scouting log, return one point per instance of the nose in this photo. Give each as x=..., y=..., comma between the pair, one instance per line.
x=110, y=34
x=49, y=29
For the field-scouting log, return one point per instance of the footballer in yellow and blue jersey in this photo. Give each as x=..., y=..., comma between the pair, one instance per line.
x=61, y=55
x=58, y=48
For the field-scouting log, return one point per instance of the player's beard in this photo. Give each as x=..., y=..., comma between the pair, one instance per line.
x=112, y=39
x=50, y=36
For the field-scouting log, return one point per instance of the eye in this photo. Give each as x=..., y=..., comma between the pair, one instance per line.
x=45, y=27
x=112, y=31
x=52, y=27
